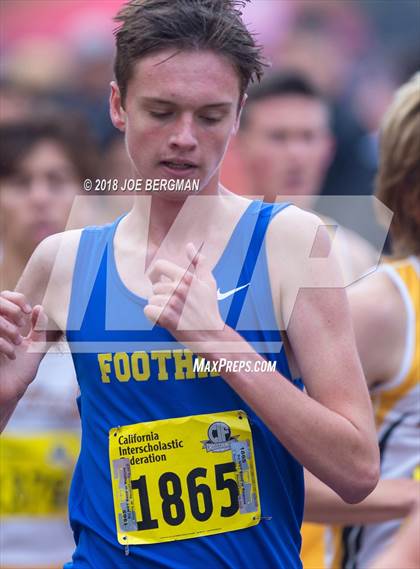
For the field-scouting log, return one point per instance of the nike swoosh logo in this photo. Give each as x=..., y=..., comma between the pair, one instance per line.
x=223, y=295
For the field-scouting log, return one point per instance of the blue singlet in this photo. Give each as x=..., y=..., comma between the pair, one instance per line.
x=105, y=316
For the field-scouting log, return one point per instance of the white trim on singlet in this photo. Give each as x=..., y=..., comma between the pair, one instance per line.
x=415, y=261
x=410, y=329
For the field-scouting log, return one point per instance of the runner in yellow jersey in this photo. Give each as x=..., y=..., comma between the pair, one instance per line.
x=386, y=314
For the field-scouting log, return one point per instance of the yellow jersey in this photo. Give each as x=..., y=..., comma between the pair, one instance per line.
x=396, y=406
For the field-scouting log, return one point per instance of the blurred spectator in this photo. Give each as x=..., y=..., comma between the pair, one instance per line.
x=40, y=64
x=42, y=165
x=285, y=138
x=15, y=102
x=341, y=47
x=42, y=162
x=319, y=57
x=287, y=145
x=88, y=94
x=334, y=44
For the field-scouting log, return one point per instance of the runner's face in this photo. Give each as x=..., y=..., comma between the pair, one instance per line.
x=36, y=201
x=287, y=145
x=180, y=110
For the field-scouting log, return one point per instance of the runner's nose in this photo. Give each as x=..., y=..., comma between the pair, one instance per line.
x=183, y=137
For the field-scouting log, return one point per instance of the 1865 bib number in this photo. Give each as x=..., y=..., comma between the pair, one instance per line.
x=185, y=478
x=199, y=496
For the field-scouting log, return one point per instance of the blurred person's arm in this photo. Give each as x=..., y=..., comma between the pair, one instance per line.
x=33, y=316
x=379, y=321
x=404, y=550
x=362, y=255
x=391, y=499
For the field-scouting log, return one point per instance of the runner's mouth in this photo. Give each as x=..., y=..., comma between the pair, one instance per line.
x=179, y=166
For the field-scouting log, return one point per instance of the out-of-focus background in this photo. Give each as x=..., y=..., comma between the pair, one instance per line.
x=60, y=53
x=57, y=60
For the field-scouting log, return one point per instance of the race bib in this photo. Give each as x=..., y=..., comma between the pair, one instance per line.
x=35, y=473
x=183, y=478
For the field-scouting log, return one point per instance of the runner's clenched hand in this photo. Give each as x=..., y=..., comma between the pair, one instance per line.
x=22, y=343
x=184, y=301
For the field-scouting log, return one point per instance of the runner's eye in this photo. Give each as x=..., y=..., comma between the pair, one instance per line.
x=161, y=115
x=211, y=120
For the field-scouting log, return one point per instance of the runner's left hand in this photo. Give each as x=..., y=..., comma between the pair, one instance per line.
x=184, y=300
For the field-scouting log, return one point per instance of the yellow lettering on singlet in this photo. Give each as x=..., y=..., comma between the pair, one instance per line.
x=122, y=366
x=137, y=366
x=161, y=356
x=103, y=360
x=184, y=367
x=138, y=375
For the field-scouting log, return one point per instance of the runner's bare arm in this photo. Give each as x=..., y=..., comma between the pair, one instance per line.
x=329, y=429
x=33, y=316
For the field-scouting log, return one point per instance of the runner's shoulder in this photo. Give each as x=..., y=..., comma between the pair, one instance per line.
x=54, y=246
x=292, y=231
x=299, y=253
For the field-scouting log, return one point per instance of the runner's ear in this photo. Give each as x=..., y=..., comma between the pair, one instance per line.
x=116, y=109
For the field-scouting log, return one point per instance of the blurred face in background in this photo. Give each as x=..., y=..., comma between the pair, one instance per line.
x=36, y=200
x=287, y=146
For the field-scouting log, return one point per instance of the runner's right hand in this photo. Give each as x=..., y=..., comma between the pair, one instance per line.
x=22, y=344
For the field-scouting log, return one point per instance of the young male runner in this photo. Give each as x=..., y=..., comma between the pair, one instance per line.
x=149, y=489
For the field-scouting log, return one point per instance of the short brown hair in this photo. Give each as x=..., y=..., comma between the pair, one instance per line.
x=398, y=179
x=281, y=84
x=17, y=139
x=152, y=25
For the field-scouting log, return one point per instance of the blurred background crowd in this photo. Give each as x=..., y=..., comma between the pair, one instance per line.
x=59, y=54
x=57, y=63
